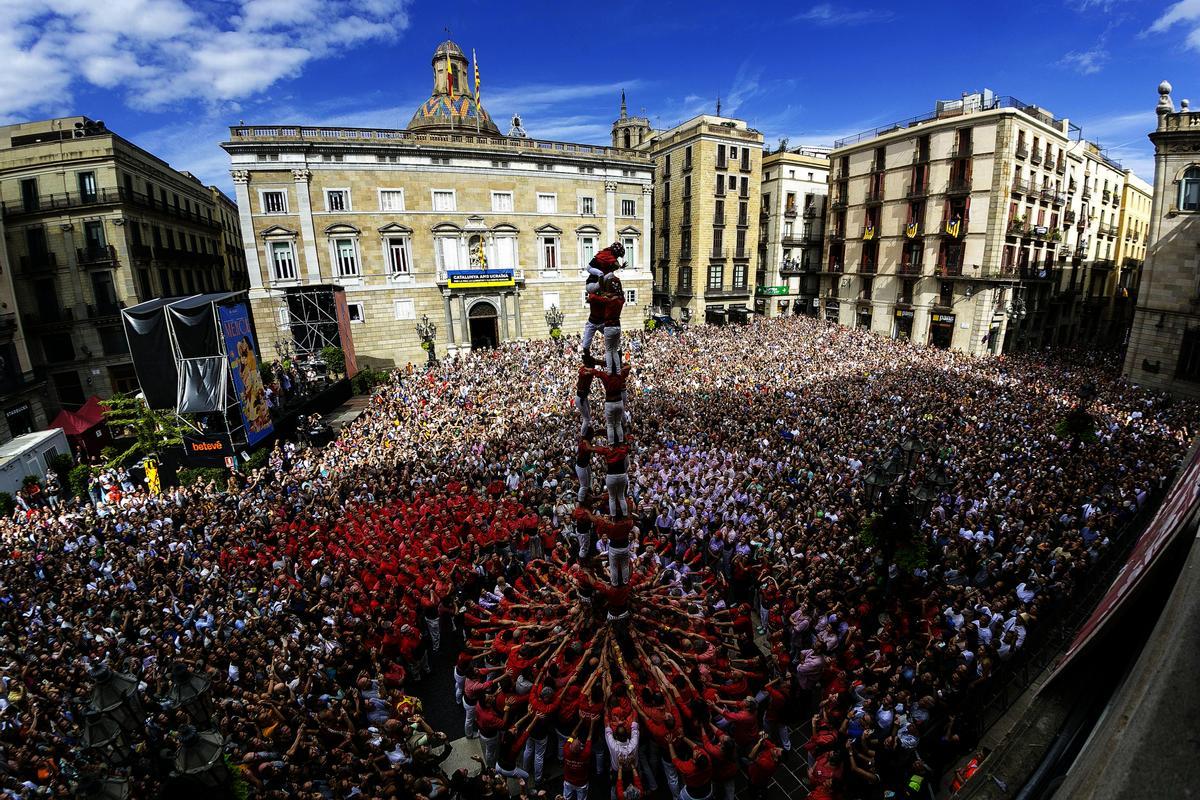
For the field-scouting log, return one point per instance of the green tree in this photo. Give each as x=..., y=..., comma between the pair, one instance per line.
x=335, y=359
x=150, y=430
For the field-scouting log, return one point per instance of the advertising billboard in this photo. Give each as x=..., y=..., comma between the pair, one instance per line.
x=242, y=353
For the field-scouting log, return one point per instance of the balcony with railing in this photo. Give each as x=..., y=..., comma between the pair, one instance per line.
x=962, y=150
x=1107, y=229
x=837, y=235
x=810, y=212
x=958, y=186
x=1060, y=167
x=1071, y=186
x=874, y=196
x=718, y=253
x=791, y=266
x=920, y=155
x=910, y=265
x=838, y=201
x=916, y=190
x=878, y=165
x=1087, y=191
x=1069, y=217
x=1053, y=197
x=790, y=212
x=868, y=266
x=955, y=228
x=97, y=257
x=1035, y=157
x=1022, y=152
x=1022, y=187
x=62, y=201
x=950, y=267
x=1105, y=196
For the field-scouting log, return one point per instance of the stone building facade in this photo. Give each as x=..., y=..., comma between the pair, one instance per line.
x=795, y=194
x=95, y=223
x=1164, y=345
x=707, y=198
x=448, y=219
x=977, y=227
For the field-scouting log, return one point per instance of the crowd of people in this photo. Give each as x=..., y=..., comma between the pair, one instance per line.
x=313, y=591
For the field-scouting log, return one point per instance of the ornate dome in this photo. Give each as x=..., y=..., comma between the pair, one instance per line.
x=452, y=106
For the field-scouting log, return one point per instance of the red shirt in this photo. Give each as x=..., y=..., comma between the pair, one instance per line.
x=577, y=757
x=763, y=767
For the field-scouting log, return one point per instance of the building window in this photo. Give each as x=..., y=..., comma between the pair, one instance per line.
x=444, y=200
x=587, y=250
x=399, y=256
x=739, y=276
x=345, y=253
x=87, y=187
x=631, y=297
x=405, y=309
x=391, y=199
x=1189, y=190
x=449, y=252
x=587, y=206
x=630, y=243
x=629, y=208
x=502, y=202
x=548, y=251
x=687, y=157
x=504, y=252
x=274, y=202
x=716, y=277
x=357, y=312
x=1188, y=368
x=337, y=199
x=547, y=203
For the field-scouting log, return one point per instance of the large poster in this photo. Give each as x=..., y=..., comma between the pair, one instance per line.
x=243, y=369
x=346, y=339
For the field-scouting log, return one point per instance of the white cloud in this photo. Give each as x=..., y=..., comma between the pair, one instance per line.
x=1087, y=62
x=1186, y=12
x=162, y=52
x=830, y=15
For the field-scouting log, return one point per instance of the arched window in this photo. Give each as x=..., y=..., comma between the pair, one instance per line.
x=626, y=138
x=1189, y=190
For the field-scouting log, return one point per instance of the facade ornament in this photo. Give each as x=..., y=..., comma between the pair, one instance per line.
x=610, y=186
x=240, y=176
x=647, y=190
x=301, y=175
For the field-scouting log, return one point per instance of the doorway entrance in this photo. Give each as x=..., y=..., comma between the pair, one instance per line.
x=483, y=322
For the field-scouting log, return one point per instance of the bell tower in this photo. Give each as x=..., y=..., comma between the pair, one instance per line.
x=630, y=133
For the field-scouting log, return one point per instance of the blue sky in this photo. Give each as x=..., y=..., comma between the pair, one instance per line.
x=172, y=75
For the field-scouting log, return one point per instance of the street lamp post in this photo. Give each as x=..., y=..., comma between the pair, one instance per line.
x=427, y=331
x=114, y=695
x=901, y=508
x=192, y=694
x=201, y=758
x=554, y=321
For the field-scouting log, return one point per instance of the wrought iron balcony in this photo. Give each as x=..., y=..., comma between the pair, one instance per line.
x=100, y=256
x=962, y=150
x=958, y=186
x=1022, y=187
x=874, y=196
x=909, y=267
x=790, y=212
x=810, y=212
x=1035, y=157
x=838, y=202
x=1060, y=167
x=39, y=262
x=916, y=190
x=1022, y=152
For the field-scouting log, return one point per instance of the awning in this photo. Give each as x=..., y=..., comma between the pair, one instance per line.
x=71, y=423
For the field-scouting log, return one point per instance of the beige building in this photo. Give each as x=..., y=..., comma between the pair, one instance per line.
x=22, y=389
x=233, y=250
x=973, y=227
x=795, y=188
x=707, y=184
x=447, y=219
x=1164, y=345
x=95, y=223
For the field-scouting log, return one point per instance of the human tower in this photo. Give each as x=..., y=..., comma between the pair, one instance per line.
x=623, y=657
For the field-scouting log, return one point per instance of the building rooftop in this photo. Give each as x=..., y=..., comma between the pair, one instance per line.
x=376, y=138
x=970, y=103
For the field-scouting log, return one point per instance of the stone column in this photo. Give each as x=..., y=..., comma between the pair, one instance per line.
x=503, y=297
x=241, y=189
x=517, y=311
x=647, y=225
x=610, y=212
x=312, y=266
x=449, y=319
x=466, y=329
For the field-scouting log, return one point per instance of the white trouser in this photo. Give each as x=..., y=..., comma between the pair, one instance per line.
x=617, y=485
x=573, y=792
x=585, y=481
x=612, y=348
x=535, y=750
x=614, y=421
x=459, y=680
x=489, y=745
x=589, y=332
x=584, y=538
x=618, y=565
x=585, y=413
x=435, y=632
x=469, y=728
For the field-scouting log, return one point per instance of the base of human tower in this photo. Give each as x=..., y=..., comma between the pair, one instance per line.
x=657, y=649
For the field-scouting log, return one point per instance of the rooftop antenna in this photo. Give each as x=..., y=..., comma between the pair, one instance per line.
x=515, y=129
x=718, y=104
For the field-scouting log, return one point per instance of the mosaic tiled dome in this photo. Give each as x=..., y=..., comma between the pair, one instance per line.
x=441, y=113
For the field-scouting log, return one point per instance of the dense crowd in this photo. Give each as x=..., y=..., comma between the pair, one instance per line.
x=313, y=591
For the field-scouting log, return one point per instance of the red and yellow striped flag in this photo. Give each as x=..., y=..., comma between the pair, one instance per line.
x=475, y=65
x=449, y=75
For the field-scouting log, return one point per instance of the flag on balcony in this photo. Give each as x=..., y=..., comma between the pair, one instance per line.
x=869, y=232
x=911, y=229
x=954, y=227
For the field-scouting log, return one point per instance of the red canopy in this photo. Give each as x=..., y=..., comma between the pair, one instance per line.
x=72, y=423
x=91, y=411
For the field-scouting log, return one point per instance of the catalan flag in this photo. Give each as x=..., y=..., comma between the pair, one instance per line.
x=475, y=65
x=869, y=232
x=911, y=229
x=449, y=75
x=954, y=226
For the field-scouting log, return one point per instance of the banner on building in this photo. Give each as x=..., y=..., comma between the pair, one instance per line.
x=480, y=278
x=770, y=290
x=344, y=335
x=243, y=369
